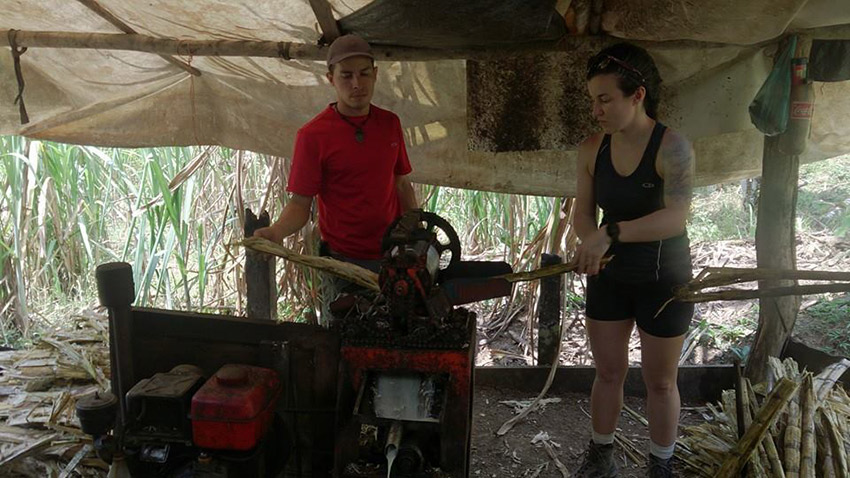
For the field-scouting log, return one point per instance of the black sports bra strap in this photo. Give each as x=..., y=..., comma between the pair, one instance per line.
x=654, y=145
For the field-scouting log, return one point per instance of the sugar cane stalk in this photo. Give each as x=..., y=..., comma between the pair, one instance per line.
x=826, y=379
x=770, y=450
x=825, y=463
x=808, y=451
x=792, y=440
x=839, y=454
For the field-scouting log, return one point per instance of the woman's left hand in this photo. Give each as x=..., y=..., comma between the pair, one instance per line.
x=589, y=253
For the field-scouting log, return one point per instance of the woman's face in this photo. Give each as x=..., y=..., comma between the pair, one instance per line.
x=612, y=109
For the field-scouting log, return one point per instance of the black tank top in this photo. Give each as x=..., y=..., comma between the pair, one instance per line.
x=624, y=198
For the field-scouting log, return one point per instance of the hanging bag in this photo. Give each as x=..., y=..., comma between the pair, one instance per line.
x=769, y=109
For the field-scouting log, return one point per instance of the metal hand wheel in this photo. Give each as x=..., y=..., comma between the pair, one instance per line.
x=448, y=243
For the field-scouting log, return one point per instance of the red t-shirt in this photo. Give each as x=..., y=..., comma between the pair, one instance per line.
x=355, y=182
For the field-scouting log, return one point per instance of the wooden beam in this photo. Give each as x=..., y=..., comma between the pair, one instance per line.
x=254, y=48
x=697, y=383
x=326, y=19
x=835, y=32
x=302, y=51
x=118, y=23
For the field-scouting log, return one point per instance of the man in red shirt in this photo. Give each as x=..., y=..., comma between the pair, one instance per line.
x=352, y=156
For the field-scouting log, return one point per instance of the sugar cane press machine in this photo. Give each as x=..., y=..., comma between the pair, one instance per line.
x=385, y=391
x=408, y=354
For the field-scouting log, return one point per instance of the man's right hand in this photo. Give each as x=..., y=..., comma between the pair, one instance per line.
x=272, y=233
x=293, y=217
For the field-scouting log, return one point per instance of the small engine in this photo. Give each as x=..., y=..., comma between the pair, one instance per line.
x=180, y=425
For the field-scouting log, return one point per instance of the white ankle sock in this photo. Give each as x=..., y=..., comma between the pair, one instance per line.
x=601, y=439
x=663, y=452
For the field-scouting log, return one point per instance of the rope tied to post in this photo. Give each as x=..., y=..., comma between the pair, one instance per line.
x=283, y=49
x=16, y=58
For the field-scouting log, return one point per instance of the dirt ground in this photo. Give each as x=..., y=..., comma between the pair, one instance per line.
x=568, y=427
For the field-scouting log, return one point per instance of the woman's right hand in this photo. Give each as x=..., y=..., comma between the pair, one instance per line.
x=590, y=252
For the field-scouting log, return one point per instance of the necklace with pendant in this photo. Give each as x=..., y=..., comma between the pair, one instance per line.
x=359, y=135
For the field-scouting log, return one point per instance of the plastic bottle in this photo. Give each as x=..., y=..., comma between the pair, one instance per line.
x=793, y=140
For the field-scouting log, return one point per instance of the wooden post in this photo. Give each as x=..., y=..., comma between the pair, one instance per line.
x=259, y=273
x=549, y=313
x=775, y=246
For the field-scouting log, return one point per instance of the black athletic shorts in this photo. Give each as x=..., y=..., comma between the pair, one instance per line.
x=609, y=299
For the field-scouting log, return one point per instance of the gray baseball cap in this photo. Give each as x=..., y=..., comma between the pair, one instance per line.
x=347, y=46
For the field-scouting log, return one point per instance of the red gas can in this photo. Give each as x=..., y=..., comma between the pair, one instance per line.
x=234, y=408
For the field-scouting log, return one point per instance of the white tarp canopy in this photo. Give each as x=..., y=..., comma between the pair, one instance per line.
x=129, y=98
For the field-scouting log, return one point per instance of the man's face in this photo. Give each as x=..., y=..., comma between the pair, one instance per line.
x=354, y=81
x=612, y=109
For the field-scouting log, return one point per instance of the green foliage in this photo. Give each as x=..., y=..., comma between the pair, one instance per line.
x=721, y=213
x=68, y=208
x=823, y=203
x=171, y=213
x=727, y=211
x=832, y=317
x=490, y=222
x=732, y=335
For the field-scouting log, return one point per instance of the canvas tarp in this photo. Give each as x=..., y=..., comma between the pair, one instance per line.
x=131, y=99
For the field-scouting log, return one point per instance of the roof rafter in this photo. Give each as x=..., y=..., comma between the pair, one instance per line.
x=117, y=22
x=327, y=22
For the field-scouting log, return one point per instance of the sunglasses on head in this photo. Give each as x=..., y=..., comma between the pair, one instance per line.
x=605, y=60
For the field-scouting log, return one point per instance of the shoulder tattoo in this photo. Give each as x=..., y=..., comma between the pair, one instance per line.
x=677, y=159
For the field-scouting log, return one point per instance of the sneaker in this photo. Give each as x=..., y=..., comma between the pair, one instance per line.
x=598, y=462
x=660, y=468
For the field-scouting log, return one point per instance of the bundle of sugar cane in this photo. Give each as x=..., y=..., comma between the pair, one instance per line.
x=350, y=272
x=742, y=452
x=715, y=278
x=39, y=431
x=799, y=430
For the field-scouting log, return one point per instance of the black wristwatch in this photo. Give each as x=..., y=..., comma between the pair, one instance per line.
x=613, y=231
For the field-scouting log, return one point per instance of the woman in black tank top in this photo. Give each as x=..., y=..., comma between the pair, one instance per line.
x=640, y=174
